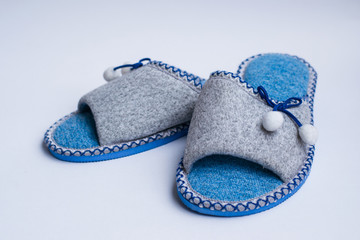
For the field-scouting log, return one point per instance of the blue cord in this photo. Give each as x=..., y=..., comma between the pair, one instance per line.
x=289, y=103
x=133, y=66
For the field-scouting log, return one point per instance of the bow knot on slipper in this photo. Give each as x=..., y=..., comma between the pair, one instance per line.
x=111, y=73
x=273, y=120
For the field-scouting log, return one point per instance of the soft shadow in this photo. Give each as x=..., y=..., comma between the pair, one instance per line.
x=177, y=199
x=46, y=152
x=45, y=149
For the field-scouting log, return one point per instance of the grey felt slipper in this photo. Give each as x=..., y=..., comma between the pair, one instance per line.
x=251, y=139
x=146, y=106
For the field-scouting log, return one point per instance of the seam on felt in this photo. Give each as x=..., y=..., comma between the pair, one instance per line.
x=242, y=86
x=194, y=80
x=176, y=77
x=192, y=196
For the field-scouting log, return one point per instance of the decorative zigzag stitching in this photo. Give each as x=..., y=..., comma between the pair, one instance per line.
x=262, y=201
x=195, y=80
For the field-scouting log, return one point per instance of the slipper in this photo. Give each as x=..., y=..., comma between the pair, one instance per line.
x=251, y=139
x=144, y=105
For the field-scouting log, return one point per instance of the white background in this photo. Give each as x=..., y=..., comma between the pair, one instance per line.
x=51, y=53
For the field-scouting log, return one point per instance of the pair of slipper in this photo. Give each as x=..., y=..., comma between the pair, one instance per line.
x=250, y=143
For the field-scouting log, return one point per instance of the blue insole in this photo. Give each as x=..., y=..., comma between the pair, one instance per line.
x=79, y=132
x=230, y=178
x=282, y=76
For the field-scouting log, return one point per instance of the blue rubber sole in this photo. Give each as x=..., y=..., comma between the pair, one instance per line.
x=207, y=211
x=120, y=154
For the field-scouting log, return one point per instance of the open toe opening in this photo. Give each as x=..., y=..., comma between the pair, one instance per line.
x=78, y=131
x=228, y=178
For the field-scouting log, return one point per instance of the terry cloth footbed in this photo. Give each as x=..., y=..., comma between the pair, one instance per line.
x=145, y=108
x=231, y=166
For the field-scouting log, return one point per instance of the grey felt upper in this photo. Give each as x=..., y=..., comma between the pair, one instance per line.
x=228, y=120
x=140, y=103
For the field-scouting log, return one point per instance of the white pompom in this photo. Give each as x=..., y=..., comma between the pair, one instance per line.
x=110, y=74
x=125, y=70
x=272, y=120
x=308, y=134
